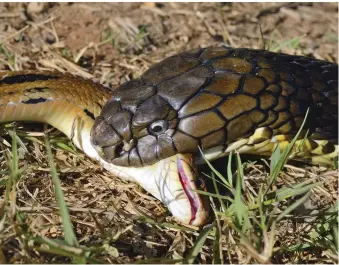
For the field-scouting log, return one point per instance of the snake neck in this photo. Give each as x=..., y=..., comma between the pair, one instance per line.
x=68, y=103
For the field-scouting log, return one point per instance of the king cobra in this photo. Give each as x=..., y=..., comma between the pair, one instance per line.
x=218, y=99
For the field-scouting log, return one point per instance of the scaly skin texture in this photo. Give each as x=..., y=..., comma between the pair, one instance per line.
x=221, y=99
x=70, y=104
x=217, y=98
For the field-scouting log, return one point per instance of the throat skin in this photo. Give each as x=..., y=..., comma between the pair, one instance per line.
x=67, y=118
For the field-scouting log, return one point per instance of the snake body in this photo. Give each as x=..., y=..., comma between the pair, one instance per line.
x=149, y=130
x=67, y=103
x=221, y=99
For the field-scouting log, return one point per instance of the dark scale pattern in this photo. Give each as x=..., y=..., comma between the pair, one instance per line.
x=212, y=97
x=23, y=78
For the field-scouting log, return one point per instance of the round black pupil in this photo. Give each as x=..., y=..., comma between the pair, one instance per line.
x=157, y=128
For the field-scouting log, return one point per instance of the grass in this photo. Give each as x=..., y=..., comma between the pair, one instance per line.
x=254, y=221
x=56, y=205
x=246, y=227
x=277, y=46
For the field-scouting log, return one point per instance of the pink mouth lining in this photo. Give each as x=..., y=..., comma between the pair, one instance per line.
x=186, y=184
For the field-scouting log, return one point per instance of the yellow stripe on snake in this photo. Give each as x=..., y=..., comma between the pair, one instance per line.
x=149, y=130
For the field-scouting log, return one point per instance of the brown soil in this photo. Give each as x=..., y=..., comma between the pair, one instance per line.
x=115, y=42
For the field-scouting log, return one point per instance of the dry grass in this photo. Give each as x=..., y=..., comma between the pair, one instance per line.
x=116, y=221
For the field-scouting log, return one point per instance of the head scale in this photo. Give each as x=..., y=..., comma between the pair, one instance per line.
x=139, y=125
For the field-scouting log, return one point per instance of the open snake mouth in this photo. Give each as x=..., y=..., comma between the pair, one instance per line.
x=187, y=195
x=173, y=181
x=188, y=189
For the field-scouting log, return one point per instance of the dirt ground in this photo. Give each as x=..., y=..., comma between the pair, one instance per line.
x=113, y=43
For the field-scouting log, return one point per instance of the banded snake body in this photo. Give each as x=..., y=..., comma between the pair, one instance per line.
x=149, y=130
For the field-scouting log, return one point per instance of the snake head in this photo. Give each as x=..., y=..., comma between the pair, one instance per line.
x=135, y=127
x=158, y=115
x=135, y=135
x=136, y=144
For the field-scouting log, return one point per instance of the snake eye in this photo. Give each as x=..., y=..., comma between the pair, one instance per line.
x=158, y=127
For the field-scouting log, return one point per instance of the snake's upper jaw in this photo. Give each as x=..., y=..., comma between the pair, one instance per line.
x=173, y=181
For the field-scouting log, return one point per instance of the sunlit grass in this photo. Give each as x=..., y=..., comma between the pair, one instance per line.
x=244, y=227
x=254, y=221
x=245, y=222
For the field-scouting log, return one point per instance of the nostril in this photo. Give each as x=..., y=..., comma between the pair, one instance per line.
x=119, y=149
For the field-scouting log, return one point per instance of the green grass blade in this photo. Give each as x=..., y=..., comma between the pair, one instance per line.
x=64, y=146
x=284, y=156
x=216, y=180
x=218, y=196
x=335, y=237
x=70, y=237
x=291, y=43
x=15, y=158
x=216, y=247
x=13, y=134
x=241, y=211
x=275, y=159
x=223, y=206
x=229, y=170
x=260, y=201
x=287, y=192
x=216, y=172
x=13, y=164
x=272, y=37
x=195, y=250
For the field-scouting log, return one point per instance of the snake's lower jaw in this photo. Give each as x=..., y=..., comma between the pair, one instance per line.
x=198, y=205
x=173, y=181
